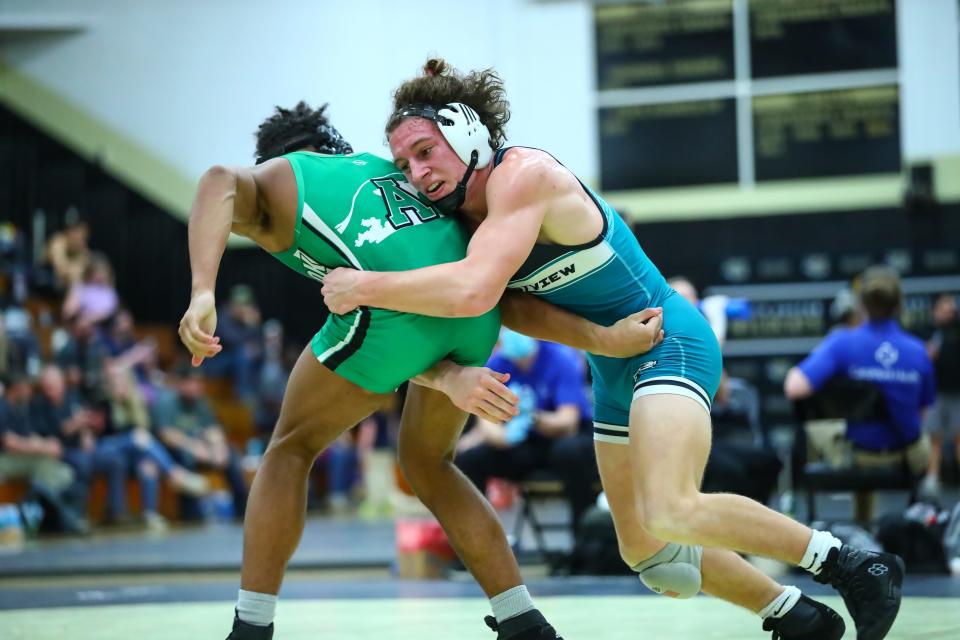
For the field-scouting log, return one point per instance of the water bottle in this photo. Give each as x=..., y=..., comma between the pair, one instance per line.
x=11, y=529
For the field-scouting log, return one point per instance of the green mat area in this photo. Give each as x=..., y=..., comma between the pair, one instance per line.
x=577, y=618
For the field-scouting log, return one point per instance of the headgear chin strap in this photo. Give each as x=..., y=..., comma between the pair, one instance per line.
x=469, y=138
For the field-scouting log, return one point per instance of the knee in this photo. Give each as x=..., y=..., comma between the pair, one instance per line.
x=669, y=518
x=57, y=475
x=427, y=475
x=673, y=572
x=295, y=445
x=148, y=469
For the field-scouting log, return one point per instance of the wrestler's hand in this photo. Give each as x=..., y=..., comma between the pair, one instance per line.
x=482, y=392
x=477, y=390
x=633, y=335
x=339, y=288
x=197, y=327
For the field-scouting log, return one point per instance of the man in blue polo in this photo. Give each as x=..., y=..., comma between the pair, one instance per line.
x=881, y=353
x=554, y=421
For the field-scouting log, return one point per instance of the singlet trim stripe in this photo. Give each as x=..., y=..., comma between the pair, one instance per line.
x=686, y=384
x=544, y=267
x=316, y=224
x=336, y=355
x=608, y=432
x=498, y=158
x=572, y=281
x=605, y=426
x=332, y=245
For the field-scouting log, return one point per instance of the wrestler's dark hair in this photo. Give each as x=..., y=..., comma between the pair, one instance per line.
x=291, y=129
x=441, y=84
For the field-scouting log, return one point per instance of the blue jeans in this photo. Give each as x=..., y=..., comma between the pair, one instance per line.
x=87, y=464
x=132, y=455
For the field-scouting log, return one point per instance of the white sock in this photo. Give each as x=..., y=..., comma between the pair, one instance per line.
x=511, y=603
x=820, y=544
x=256, y=608
x=781, y=604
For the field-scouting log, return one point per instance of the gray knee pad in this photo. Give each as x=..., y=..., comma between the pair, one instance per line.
x=673, y=572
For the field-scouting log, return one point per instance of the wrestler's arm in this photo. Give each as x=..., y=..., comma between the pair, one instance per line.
x=228, y=199
x=516, y=205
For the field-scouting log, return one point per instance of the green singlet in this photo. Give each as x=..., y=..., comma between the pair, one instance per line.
x=358, y=211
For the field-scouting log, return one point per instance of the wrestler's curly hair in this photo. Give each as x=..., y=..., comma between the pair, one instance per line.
x=291, y=129
x=441, y=84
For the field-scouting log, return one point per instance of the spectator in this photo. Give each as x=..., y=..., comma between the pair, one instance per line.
x=342, y=464
x=844, y=309
x=880, y=353
x=186, y=425
x=26, y=454
x=239, y=327
x=943, y=421
x=14, y=266
x=19, y=348
x=94, y=299
x=549, y=379
x=82, y=356
x=271, y=380
x=68, y=252
x=10, y=358
x=129, y=435
x=126, y=350
x=59, y=412
x=714, y=308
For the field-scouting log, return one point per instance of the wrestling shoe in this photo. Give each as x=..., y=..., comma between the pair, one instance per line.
x=870, y=585
x=245, y=631
x=808, y=620
x=526, y=626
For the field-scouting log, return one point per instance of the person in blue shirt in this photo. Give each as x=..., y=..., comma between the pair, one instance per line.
x=549, y=379
x=881, y=353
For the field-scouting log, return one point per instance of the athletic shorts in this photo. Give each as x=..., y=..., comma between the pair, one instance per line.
x=686, y=363
x=943, y=418
x=379, y=349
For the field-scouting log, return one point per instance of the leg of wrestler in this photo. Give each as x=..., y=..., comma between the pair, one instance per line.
x=317, y=407
x=669, y=444
x=429, y=430
x=725, y=574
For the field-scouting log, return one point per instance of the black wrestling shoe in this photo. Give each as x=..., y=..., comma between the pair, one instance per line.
x=870, y=585
x=526, y=626
x=245, y=631
x=808, y=620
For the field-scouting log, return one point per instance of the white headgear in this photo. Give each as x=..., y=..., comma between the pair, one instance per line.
x=462, y=128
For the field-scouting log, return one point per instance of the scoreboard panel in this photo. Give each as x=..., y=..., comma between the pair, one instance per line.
x=668, y=144
x=643, y=45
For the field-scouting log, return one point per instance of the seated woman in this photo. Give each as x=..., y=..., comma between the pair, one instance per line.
x=94, y=299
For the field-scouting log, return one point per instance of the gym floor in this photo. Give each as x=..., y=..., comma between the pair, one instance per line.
x=182, y=585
